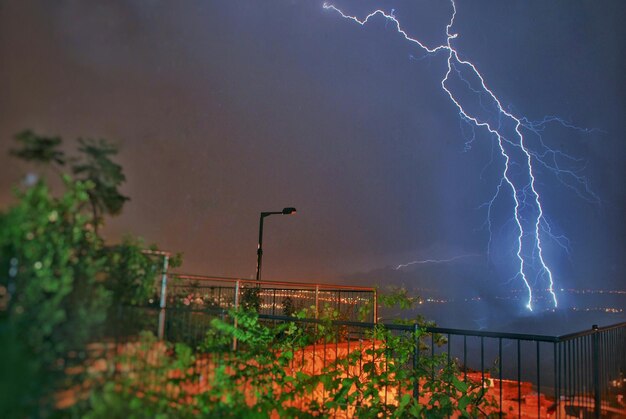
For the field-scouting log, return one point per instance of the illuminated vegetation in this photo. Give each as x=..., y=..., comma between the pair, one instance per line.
x=62, y=297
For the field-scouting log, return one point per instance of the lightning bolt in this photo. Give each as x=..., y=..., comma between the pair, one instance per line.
x=433, y=261
x=518, y=158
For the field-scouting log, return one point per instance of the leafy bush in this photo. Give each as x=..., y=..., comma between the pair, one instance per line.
x=58, y=277
x=279, y=369
x=56, y=293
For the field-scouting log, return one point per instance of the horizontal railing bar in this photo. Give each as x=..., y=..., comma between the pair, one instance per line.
x=401, y=327
x=409, y=328
x=486, y=334
x=575, y=335
x=208, y=286
x=364, y=325
x=441, y=330
x=284, y=283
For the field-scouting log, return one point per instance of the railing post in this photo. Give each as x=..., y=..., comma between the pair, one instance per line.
x=237, y=283
x=163, y=302
x=274, y=302
x=596, y=371
x=375, y=306
x=317, y=301
x=339, y=302
x=557, y=376
x=416, y=354
x=237, y=288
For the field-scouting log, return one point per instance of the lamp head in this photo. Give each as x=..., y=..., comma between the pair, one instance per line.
x=289, y=210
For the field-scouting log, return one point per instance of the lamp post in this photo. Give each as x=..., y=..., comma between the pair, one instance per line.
x=259, y=251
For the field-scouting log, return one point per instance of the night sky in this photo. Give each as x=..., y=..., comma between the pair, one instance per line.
x=223, y=109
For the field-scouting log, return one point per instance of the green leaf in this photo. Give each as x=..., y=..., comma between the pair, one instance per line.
x=459, y=385
x=463, y=402
x=404, y=401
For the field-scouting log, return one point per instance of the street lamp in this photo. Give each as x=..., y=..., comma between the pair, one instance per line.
x=259, y=251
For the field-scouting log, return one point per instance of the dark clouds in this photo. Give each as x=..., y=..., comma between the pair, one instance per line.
x=226, y=109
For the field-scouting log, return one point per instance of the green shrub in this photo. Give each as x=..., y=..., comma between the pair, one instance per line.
x=270, y=372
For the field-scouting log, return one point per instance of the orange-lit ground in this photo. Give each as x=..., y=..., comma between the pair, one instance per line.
x=310, y=360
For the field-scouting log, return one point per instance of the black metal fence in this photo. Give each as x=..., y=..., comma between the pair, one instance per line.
x=590, y=370
x=580, y=374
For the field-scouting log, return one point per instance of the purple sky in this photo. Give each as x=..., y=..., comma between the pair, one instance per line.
x=225, y=109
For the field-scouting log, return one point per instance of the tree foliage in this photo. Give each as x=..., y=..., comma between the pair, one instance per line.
x=104, y=173
x=39, y=149
x=94, y=163
x=59, y=277
x=54, y=259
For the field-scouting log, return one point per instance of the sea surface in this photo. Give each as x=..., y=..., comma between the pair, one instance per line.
x=579, y=311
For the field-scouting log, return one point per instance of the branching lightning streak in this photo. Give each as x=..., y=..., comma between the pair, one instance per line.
x=518, y=173
x=432, y=261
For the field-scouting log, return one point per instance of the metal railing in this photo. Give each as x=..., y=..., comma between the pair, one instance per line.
x=590, y=370
x=580, y=374
x=271, y=297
